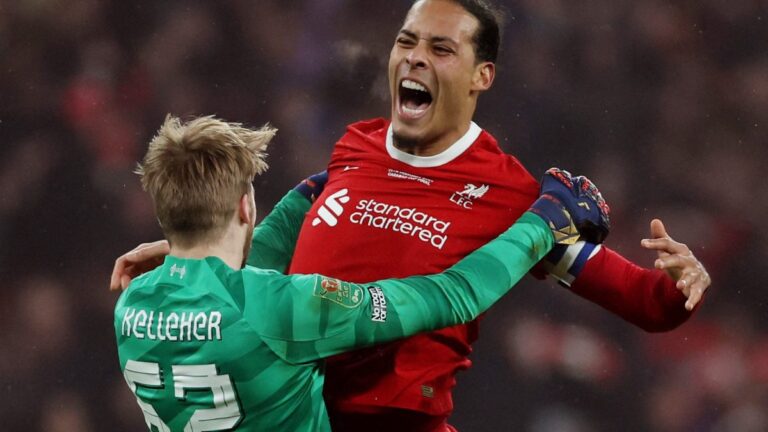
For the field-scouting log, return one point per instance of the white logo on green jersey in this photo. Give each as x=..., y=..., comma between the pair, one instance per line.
x=172, y=326
x=225, y=414
x=180, y=270
x=378, y=303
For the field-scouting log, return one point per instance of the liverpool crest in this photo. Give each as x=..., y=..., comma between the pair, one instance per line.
x=467, y=197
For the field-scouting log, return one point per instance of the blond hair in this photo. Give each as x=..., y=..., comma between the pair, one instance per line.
x=196, y=173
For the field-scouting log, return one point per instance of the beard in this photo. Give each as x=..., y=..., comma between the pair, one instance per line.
x=405, y=143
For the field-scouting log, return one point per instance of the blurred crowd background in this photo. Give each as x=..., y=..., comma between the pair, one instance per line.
x=664, y=104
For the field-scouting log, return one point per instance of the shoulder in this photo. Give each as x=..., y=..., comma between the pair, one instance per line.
x=364, y=135
x=272, y=281
x=144, y=288
x=254, y=276
x=369, y=128
x=145, y=280
x=487, y=153
x=260, y=272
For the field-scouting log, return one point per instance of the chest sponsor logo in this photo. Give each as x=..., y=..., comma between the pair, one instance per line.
x=332, y=208
x=402, y=220
x=342, y=293
x=466, y=198
x=408, y=221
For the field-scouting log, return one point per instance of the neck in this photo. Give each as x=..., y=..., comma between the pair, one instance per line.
x=225, y=248
x=430, y=147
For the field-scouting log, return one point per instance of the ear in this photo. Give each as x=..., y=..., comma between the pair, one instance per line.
x=246, y=210
x=482, y=80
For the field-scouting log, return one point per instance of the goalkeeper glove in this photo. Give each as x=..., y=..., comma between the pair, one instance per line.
x=312, y=186
x=572, y=207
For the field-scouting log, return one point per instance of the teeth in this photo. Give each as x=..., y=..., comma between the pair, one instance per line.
x=413, y=85
x=412, y=111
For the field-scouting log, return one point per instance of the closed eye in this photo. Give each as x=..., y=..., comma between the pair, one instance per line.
x=443, y=50
x=405, y=42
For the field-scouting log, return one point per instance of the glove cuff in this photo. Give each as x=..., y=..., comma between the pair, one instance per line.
x=313, y=186
x=564, y=263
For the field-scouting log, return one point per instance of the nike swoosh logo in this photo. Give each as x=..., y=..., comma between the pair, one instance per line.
x=347, y=168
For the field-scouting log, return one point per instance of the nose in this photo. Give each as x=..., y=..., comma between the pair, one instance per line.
x=417, y=55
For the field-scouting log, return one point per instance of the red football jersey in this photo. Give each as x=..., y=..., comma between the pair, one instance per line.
x=385, y=213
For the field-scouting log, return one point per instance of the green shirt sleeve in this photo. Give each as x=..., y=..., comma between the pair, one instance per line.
x=307, y=317
x=274, y=239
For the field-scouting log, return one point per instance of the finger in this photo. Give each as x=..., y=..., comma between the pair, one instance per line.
x=121, y=265
x=141, y=253
x=148, y=252
x=675, y=261
x=688, y=280
x=648, y=244
x=125, y=267
x=117, y=271
x=698, y=282
x=658, y=230
x=683, y=286
x=665, y=245
x=131, y=271
x=696, y=294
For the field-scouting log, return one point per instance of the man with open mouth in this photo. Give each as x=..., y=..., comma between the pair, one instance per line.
x=415, y=193
x=442, y=59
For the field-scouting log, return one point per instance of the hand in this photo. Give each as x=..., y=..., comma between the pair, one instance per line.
x=141, y=259
x=679, y=262
x=312, y=186
x=573, y=208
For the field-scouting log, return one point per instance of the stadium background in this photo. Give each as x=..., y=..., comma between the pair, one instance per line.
x=664, y=104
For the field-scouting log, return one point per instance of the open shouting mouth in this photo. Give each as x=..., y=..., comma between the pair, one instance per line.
x=414, y=99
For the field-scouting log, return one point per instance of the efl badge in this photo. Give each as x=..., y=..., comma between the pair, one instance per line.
x=342, y=293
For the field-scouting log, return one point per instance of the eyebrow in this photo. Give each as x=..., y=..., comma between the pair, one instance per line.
x=433, y=39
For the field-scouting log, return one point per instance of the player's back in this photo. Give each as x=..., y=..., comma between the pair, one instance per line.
x=197, y=362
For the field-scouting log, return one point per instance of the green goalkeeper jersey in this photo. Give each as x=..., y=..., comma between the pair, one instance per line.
x=208, y=348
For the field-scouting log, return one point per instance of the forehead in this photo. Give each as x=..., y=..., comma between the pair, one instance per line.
x=440, y=18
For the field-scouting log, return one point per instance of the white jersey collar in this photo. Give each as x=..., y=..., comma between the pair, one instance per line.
x=451, y=153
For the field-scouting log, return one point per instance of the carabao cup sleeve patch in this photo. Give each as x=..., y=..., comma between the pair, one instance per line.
x=342, y=293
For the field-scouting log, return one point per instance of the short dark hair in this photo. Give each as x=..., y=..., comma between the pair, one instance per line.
x=487, y=38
